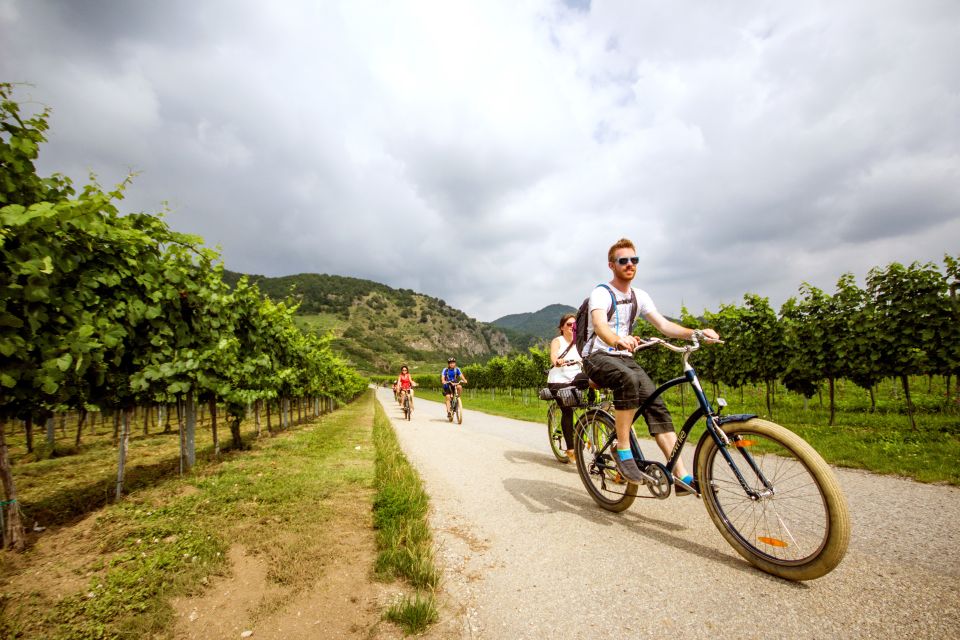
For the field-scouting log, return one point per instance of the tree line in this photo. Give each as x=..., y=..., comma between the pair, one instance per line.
x=103, y=312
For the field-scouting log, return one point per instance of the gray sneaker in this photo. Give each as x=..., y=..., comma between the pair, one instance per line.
x=628, y=469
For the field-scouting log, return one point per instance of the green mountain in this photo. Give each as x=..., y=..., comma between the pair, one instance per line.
x=541, y=324
x=378, y=328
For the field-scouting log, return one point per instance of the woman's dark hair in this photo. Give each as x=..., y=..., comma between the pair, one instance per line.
x=403, y=366
x=563, y=320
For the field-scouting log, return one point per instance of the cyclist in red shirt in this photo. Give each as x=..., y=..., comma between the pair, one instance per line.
x=405, y=383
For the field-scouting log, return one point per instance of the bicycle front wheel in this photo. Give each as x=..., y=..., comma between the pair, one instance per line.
x=796, y=524
x=555, y=433
x=593, y=433
x=458, y=412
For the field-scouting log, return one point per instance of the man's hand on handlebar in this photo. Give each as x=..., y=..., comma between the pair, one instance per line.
x=628, y=343
x=706, y=335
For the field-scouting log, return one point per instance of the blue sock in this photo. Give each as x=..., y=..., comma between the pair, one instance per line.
x=687, y=479
x=625, y=454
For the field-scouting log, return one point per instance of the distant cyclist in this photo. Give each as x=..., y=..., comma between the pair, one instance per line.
x=405, y=384
x=450, y=377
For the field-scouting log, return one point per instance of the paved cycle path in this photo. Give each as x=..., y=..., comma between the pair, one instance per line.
x=527, y=554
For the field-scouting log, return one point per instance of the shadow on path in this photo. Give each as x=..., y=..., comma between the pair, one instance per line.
x=546, y=497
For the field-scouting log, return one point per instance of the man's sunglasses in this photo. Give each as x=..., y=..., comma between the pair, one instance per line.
x=632, y=260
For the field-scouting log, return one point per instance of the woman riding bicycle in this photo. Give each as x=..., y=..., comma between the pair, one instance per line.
x=405, y=384
x=565, y=372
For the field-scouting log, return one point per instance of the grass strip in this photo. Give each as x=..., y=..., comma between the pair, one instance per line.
x=414, y=613
x=287, y=500
x=404, y=540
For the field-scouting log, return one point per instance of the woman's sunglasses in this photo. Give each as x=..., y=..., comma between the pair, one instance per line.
x=631, y=260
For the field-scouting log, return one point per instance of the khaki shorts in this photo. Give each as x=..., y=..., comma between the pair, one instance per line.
x=631, y=386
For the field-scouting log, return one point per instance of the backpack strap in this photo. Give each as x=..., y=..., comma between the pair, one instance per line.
x=634, y=310
x=613, y=300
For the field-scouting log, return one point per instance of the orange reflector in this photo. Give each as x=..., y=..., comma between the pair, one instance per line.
x=773, y=542
x=742, y=443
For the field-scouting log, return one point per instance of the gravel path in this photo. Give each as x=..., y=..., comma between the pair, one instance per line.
x=527, y=554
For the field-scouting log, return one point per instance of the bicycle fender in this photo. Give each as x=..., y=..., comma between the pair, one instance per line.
x=736, y=417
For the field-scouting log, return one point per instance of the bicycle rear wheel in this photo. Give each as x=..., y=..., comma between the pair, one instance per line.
x=555, y=433
x=796, y=528
x=599, y=475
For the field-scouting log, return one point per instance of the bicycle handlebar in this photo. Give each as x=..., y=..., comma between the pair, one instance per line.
x=653, y=341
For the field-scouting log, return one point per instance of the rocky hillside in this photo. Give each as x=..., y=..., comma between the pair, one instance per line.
x=377, y=327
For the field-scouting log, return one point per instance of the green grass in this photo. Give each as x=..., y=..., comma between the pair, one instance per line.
x=414, y=613
x=404, y=540
x=882, y=441
x=281, y=500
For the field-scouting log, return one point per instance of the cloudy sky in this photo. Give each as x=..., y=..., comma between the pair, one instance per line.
x=489, y=152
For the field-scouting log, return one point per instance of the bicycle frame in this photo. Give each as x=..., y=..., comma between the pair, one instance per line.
x=712, y=421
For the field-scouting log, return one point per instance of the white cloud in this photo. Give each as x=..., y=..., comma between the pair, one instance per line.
x=488, y=153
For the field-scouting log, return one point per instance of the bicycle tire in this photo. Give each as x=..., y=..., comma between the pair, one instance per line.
x=407, y=409
x=555, y=433
x=597, y=470
x=800, y=530
x=459, y=412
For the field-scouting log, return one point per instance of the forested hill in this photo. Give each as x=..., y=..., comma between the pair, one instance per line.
x=542, y=324
x=377, y=327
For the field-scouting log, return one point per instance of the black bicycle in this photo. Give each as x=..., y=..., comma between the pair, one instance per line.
x=771, y=495
x=406, y=403
x=456, y=404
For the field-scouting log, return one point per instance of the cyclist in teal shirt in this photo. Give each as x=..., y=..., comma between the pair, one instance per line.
x=449, y=376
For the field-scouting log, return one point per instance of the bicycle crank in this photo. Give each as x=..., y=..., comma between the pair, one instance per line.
x=659, y=482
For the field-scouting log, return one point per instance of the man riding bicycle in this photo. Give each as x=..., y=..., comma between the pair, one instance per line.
x=450, y=377
x=608, y=360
